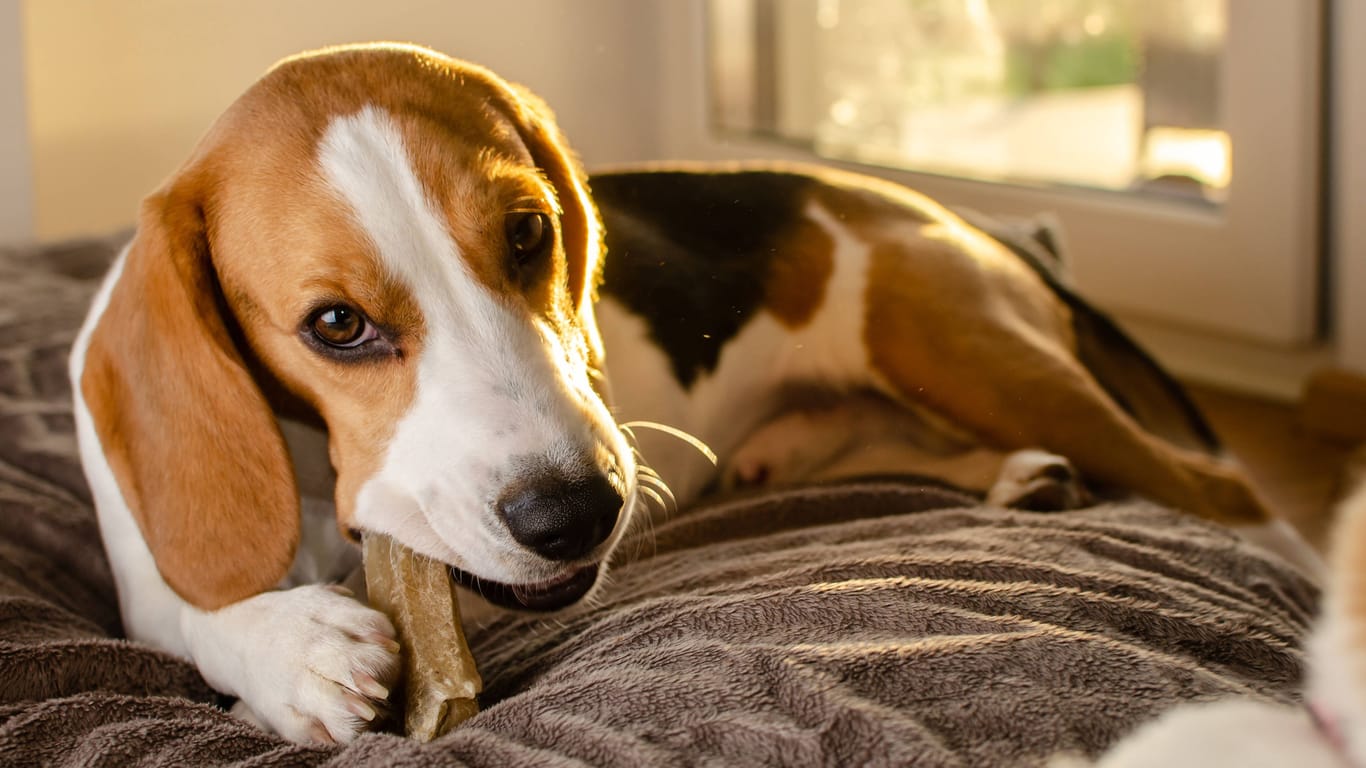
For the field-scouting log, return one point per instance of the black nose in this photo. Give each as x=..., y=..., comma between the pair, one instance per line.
x=561, y=519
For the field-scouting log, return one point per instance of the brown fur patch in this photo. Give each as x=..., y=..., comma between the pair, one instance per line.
x=797, y=279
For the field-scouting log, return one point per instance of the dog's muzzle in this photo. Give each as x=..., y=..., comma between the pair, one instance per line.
x=560, y=519
x=562, y=514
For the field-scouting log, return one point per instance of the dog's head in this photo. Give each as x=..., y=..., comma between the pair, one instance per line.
x=402, y=245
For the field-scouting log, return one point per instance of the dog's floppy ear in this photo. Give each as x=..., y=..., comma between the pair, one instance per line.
x=188, y=434
x=580, y=226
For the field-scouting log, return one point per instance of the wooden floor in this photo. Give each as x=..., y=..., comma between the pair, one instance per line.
x=1298, y=471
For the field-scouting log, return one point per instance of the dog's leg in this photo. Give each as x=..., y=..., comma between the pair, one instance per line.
x=856, y=436
x=1083, y=424
x=863, y=436
x=1075, y=418
x=311, y=662
x=1028, y=392
x=1006, y=371
x=1038, y=481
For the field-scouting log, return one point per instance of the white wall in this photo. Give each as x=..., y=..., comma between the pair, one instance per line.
x=16, y=178
x=119, y=92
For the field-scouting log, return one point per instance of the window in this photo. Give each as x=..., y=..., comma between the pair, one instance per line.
x=1120, y=95
x=1177, y=140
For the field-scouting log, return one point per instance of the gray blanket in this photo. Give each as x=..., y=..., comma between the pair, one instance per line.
x=882, y=623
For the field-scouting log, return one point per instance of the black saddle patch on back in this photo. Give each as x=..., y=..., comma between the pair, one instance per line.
x=691, y=253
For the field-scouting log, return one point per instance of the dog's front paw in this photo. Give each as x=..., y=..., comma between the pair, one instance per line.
x=335, y=666
x=313, y=664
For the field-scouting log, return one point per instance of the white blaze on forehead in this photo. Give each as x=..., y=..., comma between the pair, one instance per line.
x=494, y=384
x=364, y=159
x=474, y=339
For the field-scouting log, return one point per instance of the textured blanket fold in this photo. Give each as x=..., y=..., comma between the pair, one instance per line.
x=881, y=623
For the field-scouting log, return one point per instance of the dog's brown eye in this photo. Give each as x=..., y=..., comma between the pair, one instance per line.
x=340, y=327
x=528, y=234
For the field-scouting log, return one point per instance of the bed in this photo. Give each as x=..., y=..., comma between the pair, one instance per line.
x=883, y=622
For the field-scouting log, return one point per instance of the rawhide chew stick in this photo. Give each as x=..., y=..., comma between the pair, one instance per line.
x=440, y=677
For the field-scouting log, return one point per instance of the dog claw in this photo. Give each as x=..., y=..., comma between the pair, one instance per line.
x=370, y=686
x=383, y=641
x=360, y=709
x=319, y=734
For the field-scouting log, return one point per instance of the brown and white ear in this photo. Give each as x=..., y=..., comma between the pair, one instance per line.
x=580, y=226
x=190, y=437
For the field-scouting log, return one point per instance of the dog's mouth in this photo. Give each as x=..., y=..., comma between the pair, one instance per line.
x=550, y=595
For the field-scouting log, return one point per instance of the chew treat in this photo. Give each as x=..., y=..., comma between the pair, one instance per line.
x=440, y=678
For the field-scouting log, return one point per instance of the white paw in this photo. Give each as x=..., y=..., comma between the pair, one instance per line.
x=311, y=662
x=1037, y=480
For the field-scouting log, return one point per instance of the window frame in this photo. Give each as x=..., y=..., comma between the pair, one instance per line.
x=1347, y=271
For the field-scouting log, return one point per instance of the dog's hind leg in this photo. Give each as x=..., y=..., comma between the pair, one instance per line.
x=860, y=436
x=1050, y=401
x=1008, y=373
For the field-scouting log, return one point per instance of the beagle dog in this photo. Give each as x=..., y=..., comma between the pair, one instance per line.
x=374, y=299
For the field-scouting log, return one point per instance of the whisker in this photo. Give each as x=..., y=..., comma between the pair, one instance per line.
x=651, y=493
x=656, y=483
x=695, y=442
x=647, y=473
x=646, y=525
x=648, y=491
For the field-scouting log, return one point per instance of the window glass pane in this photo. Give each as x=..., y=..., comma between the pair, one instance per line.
x=1111, y=94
